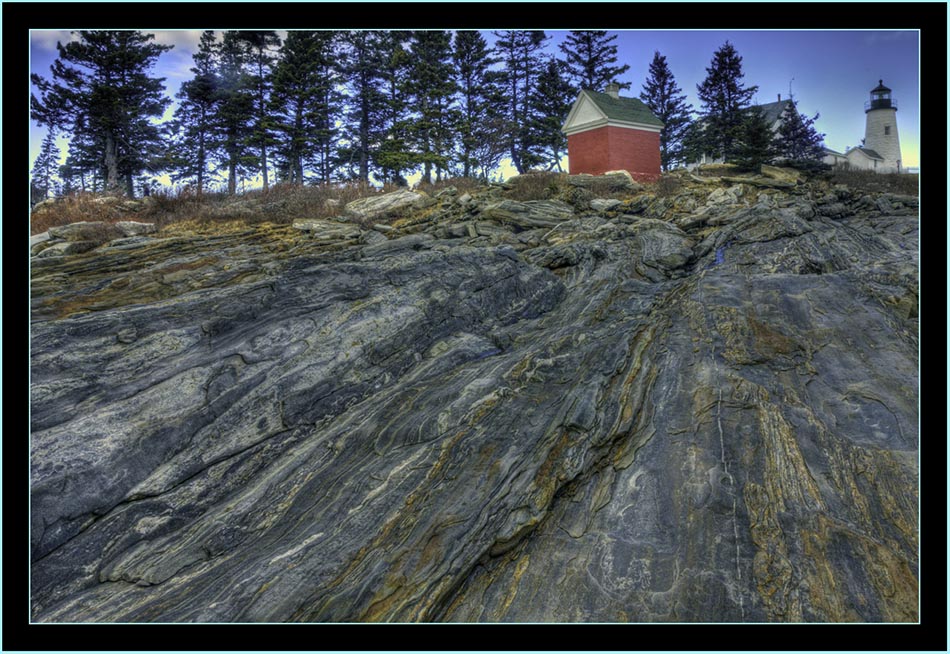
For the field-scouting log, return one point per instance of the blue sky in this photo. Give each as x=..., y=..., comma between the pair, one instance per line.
x=829, y=72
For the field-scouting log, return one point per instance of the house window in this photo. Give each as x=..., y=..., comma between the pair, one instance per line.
x=887, y=130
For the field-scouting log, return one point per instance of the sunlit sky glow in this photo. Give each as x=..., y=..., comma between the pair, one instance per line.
x=829, y=72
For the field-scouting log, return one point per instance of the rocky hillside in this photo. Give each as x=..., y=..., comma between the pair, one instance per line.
x=690, y=404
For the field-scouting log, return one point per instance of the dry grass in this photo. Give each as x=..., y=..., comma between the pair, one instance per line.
x=280, y=204
x=461, y=184
x=869, y=181
x=535, y=186
x=76, y=208
x=611, y=186
x=667, y=186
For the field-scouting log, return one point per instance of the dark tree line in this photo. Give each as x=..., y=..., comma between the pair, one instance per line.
x=363, y=106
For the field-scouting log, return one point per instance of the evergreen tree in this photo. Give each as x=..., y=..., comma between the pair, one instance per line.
x=69, y=179
x=520, y=53
x=492, y=144
x=589, y=56
x=551, y=103
x=724, y=100
x=101, y=82
x=147, y=159
x=478, y=95
x=259, y=46
x=393, y=155
x=191, y=134
x=235, y=115
x=46, y=166
x=668, y=103
x=797, y=141
x=329, y=108
x=432, y=85
x=361, y=70
x=85, y=156
x=755, y=142
x=299, y=102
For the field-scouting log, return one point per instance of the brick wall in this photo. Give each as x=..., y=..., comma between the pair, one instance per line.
x=587, y=152
x=615, y=148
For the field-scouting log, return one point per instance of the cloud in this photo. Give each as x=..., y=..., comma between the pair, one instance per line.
x=47, y=39
x=183, y=40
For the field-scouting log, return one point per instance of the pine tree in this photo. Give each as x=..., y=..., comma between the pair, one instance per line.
x=46, y=166
x=85, y=157
x=329, y=108
x=101, y=82
x=724, y=100
x=394, y=153
x=797, y=141
x=69, y=180
x=520, y=53
x=361, y=70
x=493, y=127
x=234, y=119
x=477, y=94
x=668, y=103
x=259, y=46
x=551, y=103
x=755, y=142
x=589, y=55
x=432, y=85
x=300, y=105
x=192, y=143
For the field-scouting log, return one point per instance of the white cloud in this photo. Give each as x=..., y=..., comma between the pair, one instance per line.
x=47, y=39
x=183, y=40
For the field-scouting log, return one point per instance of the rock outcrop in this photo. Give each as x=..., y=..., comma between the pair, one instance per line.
x=486, y=410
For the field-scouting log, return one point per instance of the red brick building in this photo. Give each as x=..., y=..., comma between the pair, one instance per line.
x=607, y=132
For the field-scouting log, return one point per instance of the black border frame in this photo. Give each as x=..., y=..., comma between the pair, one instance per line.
x=928, y=635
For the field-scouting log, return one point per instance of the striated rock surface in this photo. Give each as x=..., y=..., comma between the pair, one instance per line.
x=489, y=411
x=387, y=204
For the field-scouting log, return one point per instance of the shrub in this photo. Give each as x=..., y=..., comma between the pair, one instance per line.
x=80, y=207
x=667, y=186
x=535, y=186
x=609, y=186
x=869, y=181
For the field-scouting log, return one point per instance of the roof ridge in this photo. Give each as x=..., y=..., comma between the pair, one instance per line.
x=628, y=109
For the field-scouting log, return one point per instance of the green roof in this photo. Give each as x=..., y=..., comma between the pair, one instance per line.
x=630, y=110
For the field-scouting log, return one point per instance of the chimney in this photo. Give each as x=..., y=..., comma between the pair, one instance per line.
x=779, y=97
x=613, y=90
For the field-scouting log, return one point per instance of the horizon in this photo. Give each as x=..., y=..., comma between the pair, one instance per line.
x=827, y=72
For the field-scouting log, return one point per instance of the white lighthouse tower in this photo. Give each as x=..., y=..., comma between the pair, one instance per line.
x=880, y=132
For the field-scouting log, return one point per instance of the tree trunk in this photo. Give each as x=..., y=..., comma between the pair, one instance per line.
x=364, y=150
x=260, y=73
x=201, y=155
x=112, y=172
x=232, y=178
x=201, y=164
x=264, y=162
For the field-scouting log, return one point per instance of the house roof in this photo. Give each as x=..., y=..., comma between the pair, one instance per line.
x=867, y=151
x=772, y=110
x=834, y=152
x=629, y=110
